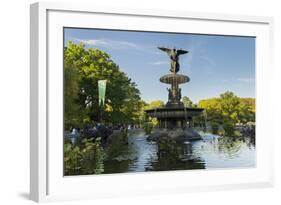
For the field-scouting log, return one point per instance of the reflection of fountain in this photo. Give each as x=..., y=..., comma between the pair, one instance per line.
x=212, y=151
x=174, y=156
x=187, y=148
x=174, y=115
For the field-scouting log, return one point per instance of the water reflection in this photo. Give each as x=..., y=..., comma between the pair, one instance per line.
x=174, y=156
x=120, y=155
x=225, y=152
x=138, y=155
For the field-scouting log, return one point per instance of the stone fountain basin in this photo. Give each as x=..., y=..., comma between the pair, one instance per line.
x=179, y=135
x=173, y=112
x=172, y=78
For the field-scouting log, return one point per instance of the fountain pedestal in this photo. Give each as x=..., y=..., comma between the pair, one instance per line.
x=174, y=92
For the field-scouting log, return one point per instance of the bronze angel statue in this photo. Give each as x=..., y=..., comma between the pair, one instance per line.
x=174, y=56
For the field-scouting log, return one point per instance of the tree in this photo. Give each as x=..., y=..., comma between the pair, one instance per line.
x=133, y=106
x=248, y=110
x=91, y=65
x=187, y=102
x=230, y=107
x=228, y=110
x=155, y=104
x=149, y=123
x=213, y=109
x=73, y=115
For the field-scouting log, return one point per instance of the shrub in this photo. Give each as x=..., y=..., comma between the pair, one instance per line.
x=85, y=159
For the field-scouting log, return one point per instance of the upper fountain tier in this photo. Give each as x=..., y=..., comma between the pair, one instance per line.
x=174, y=79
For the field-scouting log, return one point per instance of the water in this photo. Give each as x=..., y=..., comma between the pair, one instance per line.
x=212, y=152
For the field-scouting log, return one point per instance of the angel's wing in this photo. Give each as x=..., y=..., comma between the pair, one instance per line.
x=167, y=50
x=180, y=52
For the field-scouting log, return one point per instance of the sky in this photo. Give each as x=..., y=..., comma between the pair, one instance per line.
x=214, y=64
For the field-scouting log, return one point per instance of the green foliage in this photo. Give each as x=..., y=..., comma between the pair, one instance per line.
x=72, y=156
x=154, y=104
x=92, y=157
x=149, y=123
x=215, y=127
x=228, y=110
x=73, y=115
x=213, y=109
x=228, y=129
x=187, y=102
x=82, y=70
x=85, y=159
x=248, y=110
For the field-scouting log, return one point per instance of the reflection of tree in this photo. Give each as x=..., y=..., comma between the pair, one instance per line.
x=174, y=156
x=252, y=141
x=231, y=146
x=120, y=155
x=249, y=141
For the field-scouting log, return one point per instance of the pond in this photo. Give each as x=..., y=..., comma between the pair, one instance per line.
x=212, y=152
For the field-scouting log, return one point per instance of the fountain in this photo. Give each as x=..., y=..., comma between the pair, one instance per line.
x=174, y=120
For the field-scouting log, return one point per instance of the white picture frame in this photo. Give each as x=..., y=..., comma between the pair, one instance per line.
x=47, y=182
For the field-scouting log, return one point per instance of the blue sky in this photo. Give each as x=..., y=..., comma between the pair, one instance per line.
x=214, y=64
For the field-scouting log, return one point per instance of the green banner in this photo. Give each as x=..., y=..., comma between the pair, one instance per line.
x=102, y=89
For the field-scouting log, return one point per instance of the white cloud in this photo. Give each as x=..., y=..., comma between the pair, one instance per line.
x=246, y=80
x=109, y=43
x=160, y=63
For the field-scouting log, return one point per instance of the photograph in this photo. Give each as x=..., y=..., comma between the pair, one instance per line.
x=146, y=101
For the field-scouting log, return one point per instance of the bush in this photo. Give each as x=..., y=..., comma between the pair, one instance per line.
x=85, y=159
